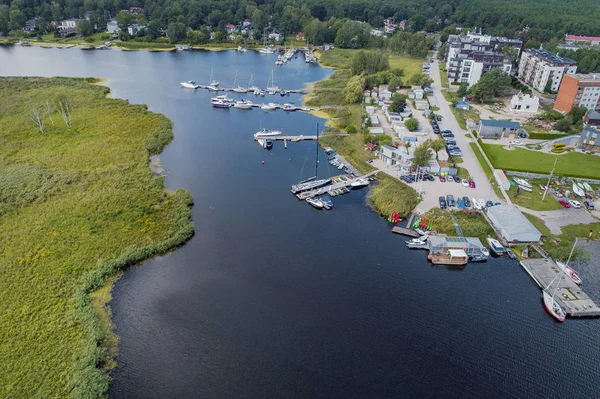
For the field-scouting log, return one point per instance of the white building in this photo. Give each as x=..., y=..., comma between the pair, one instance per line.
x=538, y=67
x=376, y=32
x=68, y=24
x=524, y=103
x=133, y=29
x=394, y=156
x=421, y=105
x=112, y=27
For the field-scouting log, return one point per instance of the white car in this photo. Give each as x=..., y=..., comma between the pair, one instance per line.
x=449, y=179
x=465, y=182
x=517, y=142
x=574, y=204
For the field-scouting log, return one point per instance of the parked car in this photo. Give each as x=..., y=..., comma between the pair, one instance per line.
x=575, y=204
x=451, y=147
x=446, y=134
x=438, y=118
x=450, y=141
x=430, y=178
x=428, y=90
x=456, y=179
x=489, y=204
x=455, y=153
x=589, y=205
x=465, y=182
x=467, y=201
x=472, y=183
x=517, y=142
x=436, y=130
x=442, y=179
x=451, y=201
x=564, y=203
x=442, y=202
x=450, y=179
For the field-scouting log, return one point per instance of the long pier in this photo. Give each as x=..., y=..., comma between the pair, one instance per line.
x=569, y=295
x=335, y=186
x=277, y=93
x=287, y=138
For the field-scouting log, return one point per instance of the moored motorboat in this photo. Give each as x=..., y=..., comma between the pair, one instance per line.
x=457, y=257
x=327, y=202
x=289, y=107
x=268, y=107
x=573, y=275
x=243, y=105
x=296, y=188
x=189, y=84
x=511, y=253
x=360, y=183
x=495, y=246
x=268, y=133
x=221, y=104
x=315, y=202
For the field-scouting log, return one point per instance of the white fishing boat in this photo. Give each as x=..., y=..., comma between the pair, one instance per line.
x=264, y=133
x=360, y=183
x=573, y=275
x=495, y=246
x=221, y=104
x=522, y=182
x=241, y=49
x=418, y=243
x=577, y=190
x=289, y=107
x=189, y=84
x=221, y=99
x=587, y=186
x=315, y=202
x=341, y=166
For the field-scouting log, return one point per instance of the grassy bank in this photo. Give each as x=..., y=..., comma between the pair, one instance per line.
x=472, y=224
x=486, y=169
x=392, y=195
x=533, y=200
x=571, y=164
x=78, y=205
x=558, y=246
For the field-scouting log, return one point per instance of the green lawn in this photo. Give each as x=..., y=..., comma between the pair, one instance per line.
x=472, y=224
x=340, y=58
x=533, y=200
x=571, y=164
x=77, y=205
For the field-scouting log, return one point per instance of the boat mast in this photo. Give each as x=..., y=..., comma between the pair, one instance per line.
x=550, y=178
x=317, y=147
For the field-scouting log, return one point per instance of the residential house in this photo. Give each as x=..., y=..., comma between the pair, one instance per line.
x=590, y=139
x=389, y=25
x=30, y=25
x=374, y=120
x=230, y=28
x=421, y=105
x=67, y=27
x=442, y=155
x=418, y=92
x=574, y=39
x=493, y=129
x=247, y=24
x=524, y=103
x=578, y=90
x=299, y=36
x=231, y=37
x=394, y=156
x=370, y=109
x=112, y=27
x=541, y=68
x=376, y=131
x=592, y=118
x=275, y=36
x=134, y=29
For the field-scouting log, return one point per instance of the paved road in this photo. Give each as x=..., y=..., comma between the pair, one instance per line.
x=470, y=162
x=555, y=220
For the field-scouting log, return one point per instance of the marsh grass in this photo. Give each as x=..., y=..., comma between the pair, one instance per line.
x=79, y=205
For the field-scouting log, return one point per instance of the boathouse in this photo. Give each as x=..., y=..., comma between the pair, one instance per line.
x=512, y=225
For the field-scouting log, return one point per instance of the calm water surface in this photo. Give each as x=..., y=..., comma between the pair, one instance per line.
x=272, y=299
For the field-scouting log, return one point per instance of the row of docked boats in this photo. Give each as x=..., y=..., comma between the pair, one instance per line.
x=286, y=57
x=245, y=104
x=549, y=293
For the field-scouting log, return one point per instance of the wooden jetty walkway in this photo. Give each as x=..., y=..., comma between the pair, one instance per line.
x=569, y=295
x=335, y=186
x=405, y=232
x=288, y=138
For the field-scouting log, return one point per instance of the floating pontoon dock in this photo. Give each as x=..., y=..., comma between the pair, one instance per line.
x=569, y=295
x=335, y=186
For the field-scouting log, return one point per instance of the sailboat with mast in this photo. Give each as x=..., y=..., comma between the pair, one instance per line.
x=569, y=271
x=548, y=294
x=271, y=88
x=251, y=87
x=236, y=87
x=265, y=49
x=312, y=182
x=214, y=84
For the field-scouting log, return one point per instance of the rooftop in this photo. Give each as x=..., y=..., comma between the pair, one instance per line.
x=512, y=221
x=590, y=77
x=582, y=38
x=591, y=114
x=504, y=124
x=550, y=57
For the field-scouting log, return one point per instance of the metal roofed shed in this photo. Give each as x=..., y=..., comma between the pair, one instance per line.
x=512, y=224
x=470, y=245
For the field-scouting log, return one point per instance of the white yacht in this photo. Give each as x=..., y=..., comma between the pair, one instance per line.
x=243, y=104
x=268, y=107
x=267, y=133
x=360, y=183
x=189, y=84
x=315, y=202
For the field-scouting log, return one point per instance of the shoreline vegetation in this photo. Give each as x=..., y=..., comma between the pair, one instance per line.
x=390, y=194
x=78, y=205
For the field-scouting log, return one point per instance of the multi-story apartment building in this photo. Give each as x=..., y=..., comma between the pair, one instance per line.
x=574, y=39
x=539, y=68
x=578, y=90
x=469, y=56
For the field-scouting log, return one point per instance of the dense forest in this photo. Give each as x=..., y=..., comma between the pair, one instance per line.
x=539, y=20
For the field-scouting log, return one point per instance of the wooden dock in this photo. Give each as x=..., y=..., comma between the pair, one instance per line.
x=569, y=295
x=285, y=139
x=335, y=186
x=405, y=232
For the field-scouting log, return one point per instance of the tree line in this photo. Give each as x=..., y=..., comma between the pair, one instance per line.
x=539, y=20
